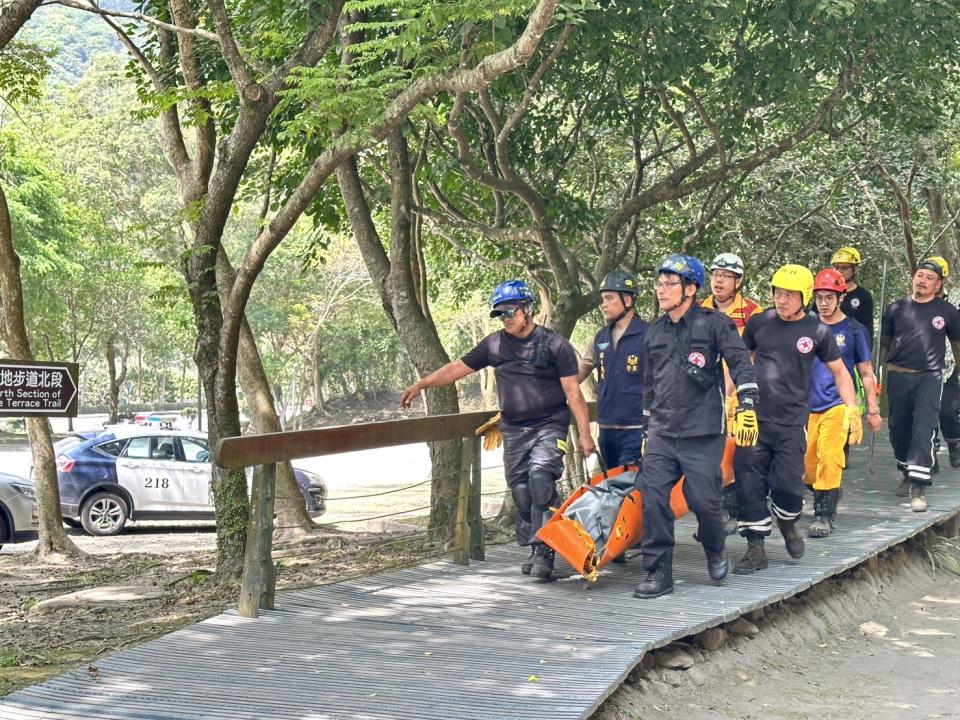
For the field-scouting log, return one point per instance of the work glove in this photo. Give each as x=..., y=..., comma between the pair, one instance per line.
x=853, y=423
x=732, y=404
x=746, y=430
x=492, y=437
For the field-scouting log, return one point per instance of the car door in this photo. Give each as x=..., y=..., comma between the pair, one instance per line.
x=147, y=469
x=194, y=472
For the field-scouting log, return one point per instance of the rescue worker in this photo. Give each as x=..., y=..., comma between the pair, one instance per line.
x=726, y=281
x=824, y=461
x=784, y=341
x=537, y=386
x=858, y=303
x=617, y=352
x=683, y=400
x=950, y=399
x=912, y=344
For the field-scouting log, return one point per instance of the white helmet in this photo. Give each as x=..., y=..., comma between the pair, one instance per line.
x=728, y=261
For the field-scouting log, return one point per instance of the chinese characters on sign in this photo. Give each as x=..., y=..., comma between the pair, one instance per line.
x=38, y=389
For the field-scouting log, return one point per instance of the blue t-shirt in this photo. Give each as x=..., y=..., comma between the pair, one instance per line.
x=854, y=344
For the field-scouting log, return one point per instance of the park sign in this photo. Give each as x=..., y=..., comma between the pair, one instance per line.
x=32, y=388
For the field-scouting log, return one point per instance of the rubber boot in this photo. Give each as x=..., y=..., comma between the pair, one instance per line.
x=755, y=559
x=824, y=509
x=718, y=565
x=918, y=497
x=954, y=449
x=542, y=563
x=795, y=544
x=527, y=565
x=659, y=581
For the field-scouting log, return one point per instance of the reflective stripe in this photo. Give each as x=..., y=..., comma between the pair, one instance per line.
x=784, y=514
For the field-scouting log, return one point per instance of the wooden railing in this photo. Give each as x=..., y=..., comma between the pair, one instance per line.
x=258, y=586
x=262, y=452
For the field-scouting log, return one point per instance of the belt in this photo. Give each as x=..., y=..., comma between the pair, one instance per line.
x=900, y=369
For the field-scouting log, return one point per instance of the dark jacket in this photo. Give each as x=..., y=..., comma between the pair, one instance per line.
x=676, y=404
x=620, y=374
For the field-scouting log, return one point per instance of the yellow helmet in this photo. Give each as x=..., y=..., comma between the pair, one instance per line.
x=794, y=277
x=944, y=266
x=846, y=256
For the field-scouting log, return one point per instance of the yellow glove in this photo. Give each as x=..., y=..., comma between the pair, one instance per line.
x=731, y=411
x=853, y=423
x=746, y=431
x=492, y=437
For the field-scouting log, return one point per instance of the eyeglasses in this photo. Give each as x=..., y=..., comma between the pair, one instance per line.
x=658, y=284
x=507, y=312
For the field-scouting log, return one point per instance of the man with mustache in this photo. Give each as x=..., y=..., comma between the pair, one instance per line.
x=913, y=337
x=538, y=390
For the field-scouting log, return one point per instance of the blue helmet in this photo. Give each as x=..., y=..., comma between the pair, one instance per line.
x=686, y=266
x=511, y=291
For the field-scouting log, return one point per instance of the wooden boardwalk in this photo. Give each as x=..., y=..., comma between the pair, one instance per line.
x=444, y=641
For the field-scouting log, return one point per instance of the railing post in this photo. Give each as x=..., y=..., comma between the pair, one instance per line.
x=258, y=587
x=461, y=538
x=475, y=516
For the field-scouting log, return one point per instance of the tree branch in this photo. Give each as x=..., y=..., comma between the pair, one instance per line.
x=677, y=120
x=90, y=7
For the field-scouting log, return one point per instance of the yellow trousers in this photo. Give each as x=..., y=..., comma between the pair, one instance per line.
x=823, y=463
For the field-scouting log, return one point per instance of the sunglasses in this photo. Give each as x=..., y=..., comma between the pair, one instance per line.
x=508, y=312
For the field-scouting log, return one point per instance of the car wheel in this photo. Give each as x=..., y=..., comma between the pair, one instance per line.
x=104, y=514
x=3, y=530
x=72, y=522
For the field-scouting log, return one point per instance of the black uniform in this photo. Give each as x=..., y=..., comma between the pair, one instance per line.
x=783, y=355
x=917, y=334
x=534, y=417
x=858, y=304
x=683, y=396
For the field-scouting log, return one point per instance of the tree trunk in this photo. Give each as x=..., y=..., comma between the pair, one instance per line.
x=291, y=509
x=114, y=381
x=393, y=277
x=53, y=538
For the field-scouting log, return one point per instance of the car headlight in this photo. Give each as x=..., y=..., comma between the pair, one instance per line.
x=315, y=480
x=29, y=490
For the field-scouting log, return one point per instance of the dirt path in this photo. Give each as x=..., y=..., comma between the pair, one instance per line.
x=873, y=644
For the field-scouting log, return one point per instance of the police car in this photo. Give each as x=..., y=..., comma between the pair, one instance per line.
x=140, y=473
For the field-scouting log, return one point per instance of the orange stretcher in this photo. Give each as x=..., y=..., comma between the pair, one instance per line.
x=579, y=548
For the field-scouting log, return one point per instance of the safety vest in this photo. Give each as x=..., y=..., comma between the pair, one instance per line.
x=620, y=374
x=739, y=310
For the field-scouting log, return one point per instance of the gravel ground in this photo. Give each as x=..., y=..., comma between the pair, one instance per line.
x=879, y=644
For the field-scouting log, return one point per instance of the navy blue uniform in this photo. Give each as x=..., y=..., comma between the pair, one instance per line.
x=687, y=423
x=534, y=417
x=784, y=352
x=620, y=369
x=917, y=334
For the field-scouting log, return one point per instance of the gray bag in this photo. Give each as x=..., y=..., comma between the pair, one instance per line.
x=597, y=509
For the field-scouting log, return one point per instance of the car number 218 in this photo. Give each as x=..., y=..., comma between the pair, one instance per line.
x=157, y=483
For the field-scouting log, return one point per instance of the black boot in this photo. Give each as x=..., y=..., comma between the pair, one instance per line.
x=954, y=449
x=542, y=568
x=936, y=465
x=729, y=510
x=718, y=565
x=755, y=559
x=659, y=581
x=795, y=544
x=824, y=509
x=527, y=565
x=903, y=489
